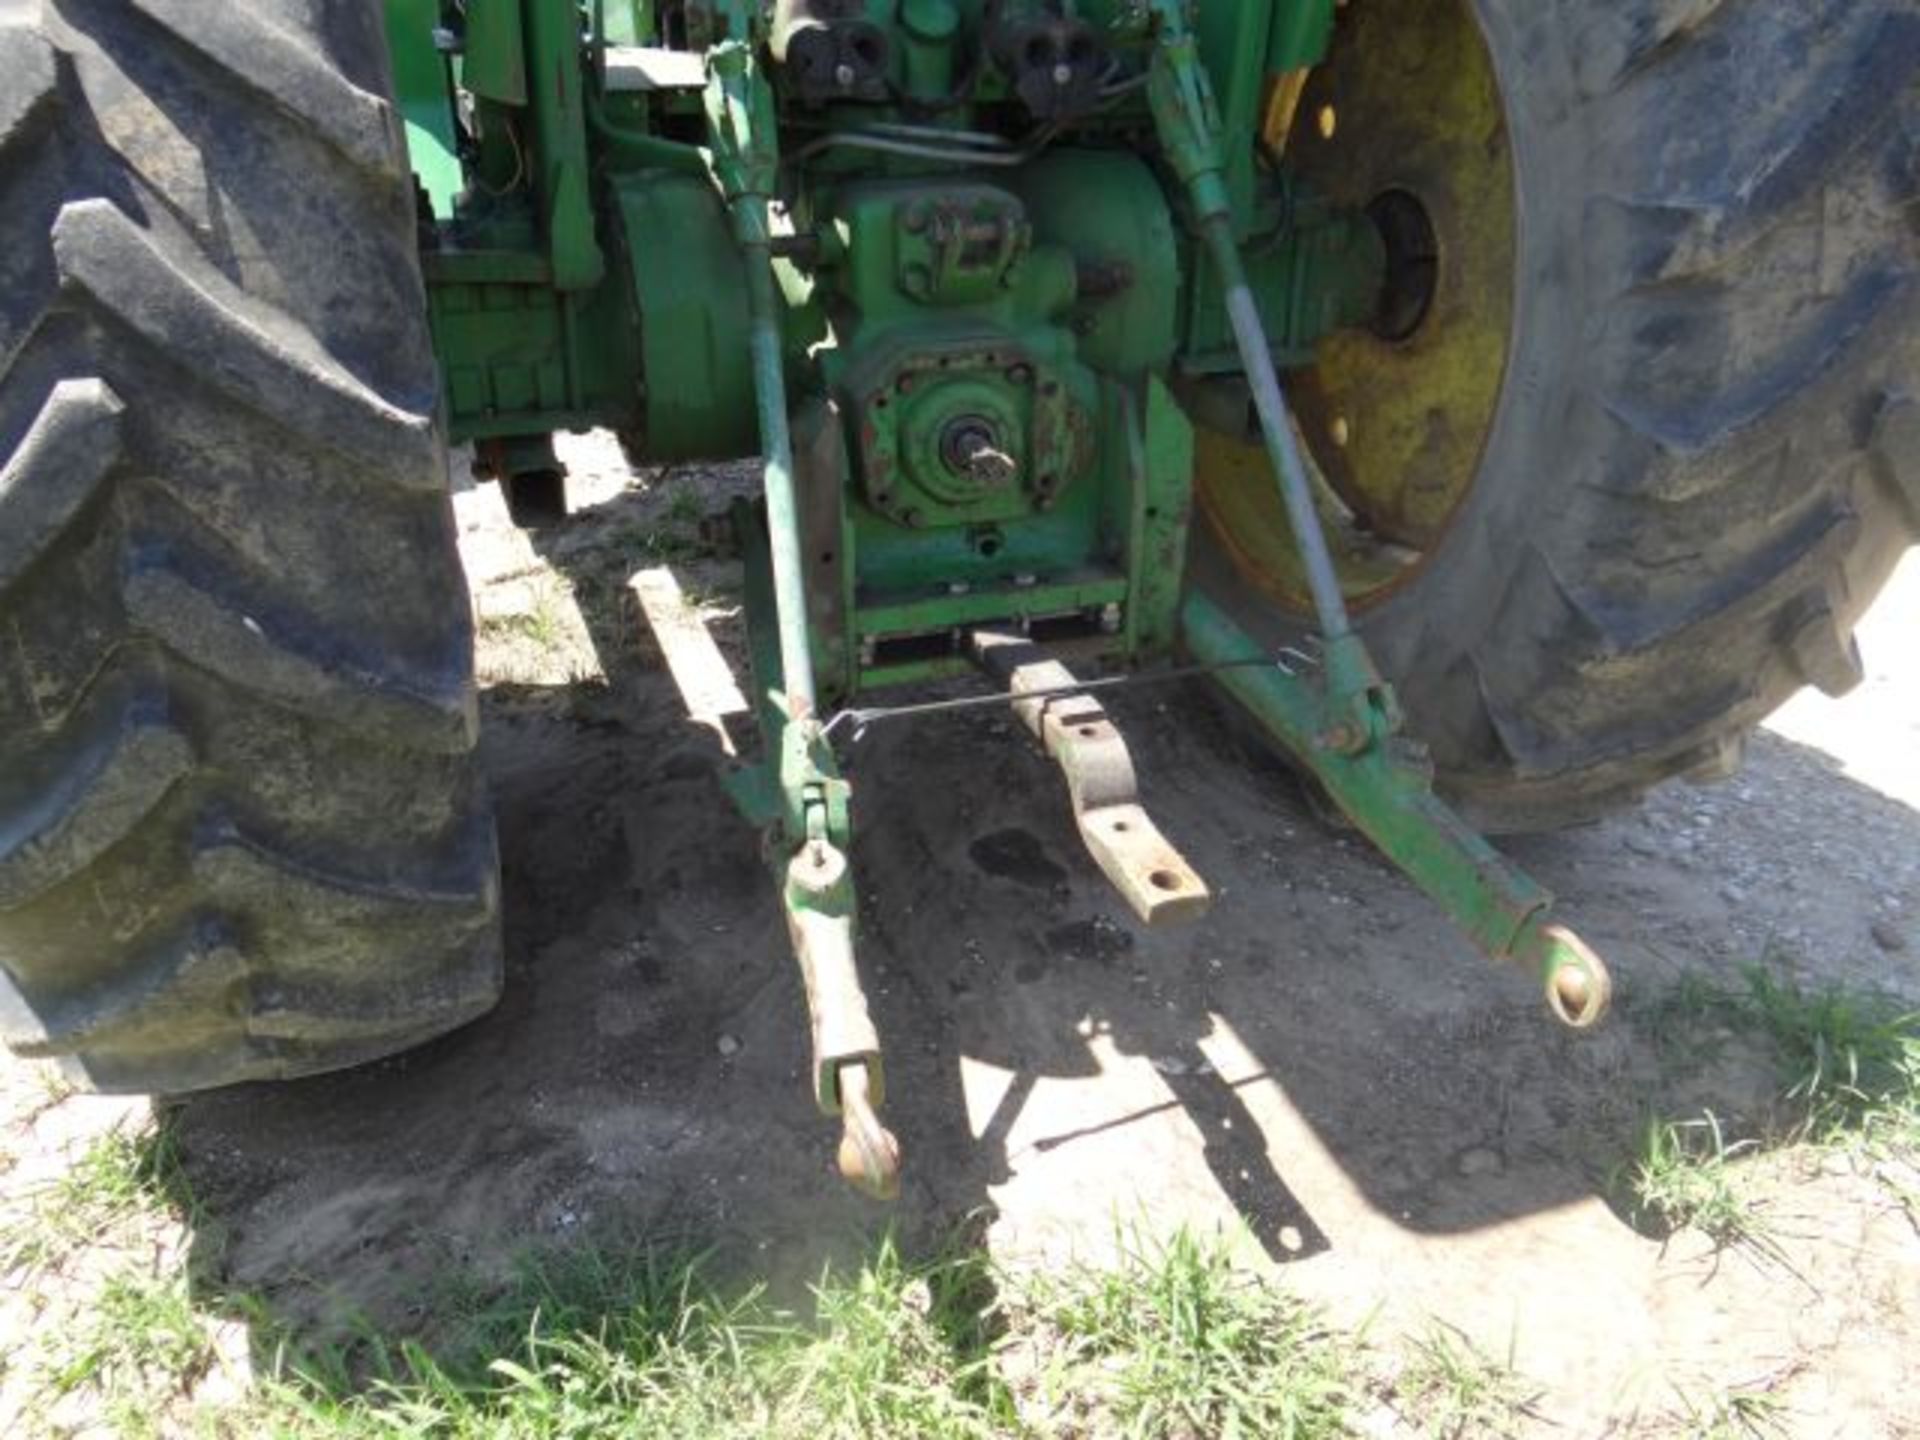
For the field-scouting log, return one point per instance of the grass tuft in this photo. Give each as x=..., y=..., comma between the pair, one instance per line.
x=684, y=506
x=1848, y=1068
x=1850, y=1061
x=1456, y=1390
x=640, y=1343
x=1179, y=1341
x=118, y=1177
x=141, y=1334
x=1742, y=1413
x=1683, y=1179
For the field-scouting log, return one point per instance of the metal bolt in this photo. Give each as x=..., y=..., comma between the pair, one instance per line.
x=843, y=75
x=1063, y=74
x=1025, y=580
x=1340, y=430
x=1326, y=121
x=958, y=587
x=1110, y=618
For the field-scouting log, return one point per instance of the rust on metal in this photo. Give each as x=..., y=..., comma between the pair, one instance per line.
x=1579, y=988
x=1153, y=877
x=869, y=1155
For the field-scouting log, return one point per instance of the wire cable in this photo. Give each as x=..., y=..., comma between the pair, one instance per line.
x=860, y=717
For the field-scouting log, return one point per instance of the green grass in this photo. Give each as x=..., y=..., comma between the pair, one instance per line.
x=643, y=1343
x=117, y=1177
x=1737, y=1414
x=1456, y=1390
x=54, y=1088
x=1848, y=1073
x=138, y=1334
x=141, y=1333
x=1851, y=1061
x=684, y=508
x=1176, y=1341
x=662, y=544
x=1683, y=1178
x=1179, y=1341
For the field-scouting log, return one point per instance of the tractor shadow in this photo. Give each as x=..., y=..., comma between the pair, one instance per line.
x=1318, y=1054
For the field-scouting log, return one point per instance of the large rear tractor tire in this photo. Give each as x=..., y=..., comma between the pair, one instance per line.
x=242, y=832
x=1637, y=438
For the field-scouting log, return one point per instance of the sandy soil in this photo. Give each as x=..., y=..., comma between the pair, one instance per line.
x=1320, y=1058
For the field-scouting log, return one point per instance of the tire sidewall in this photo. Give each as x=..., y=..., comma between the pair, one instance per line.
x=1447, y=609
x=1426, y=632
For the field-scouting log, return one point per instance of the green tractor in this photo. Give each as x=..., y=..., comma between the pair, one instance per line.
x=1502, y=405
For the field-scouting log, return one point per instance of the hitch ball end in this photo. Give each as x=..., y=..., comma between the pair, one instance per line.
x=869, y=1155
x=1578, y=986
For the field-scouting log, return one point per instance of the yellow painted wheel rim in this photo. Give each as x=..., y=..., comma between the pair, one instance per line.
x=1395, y=428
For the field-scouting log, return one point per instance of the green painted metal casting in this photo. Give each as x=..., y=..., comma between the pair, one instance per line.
x=968, y=305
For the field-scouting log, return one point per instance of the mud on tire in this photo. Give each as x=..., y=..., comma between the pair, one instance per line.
x=242, y=832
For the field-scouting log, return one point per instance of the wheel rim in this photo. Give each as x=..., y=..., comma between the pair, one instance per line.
x=1395, y=419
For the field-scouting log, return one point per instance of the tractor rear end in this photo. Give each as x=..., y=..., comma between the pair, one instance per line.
x=1415, y=375
x=962, y=276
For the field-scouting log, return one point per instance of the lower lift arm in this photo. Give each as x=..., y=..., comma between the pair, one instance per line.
x=809, y=816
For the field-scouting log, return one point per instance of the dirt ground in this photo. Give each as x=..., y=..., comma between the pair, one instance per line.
x=1320, y=1058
